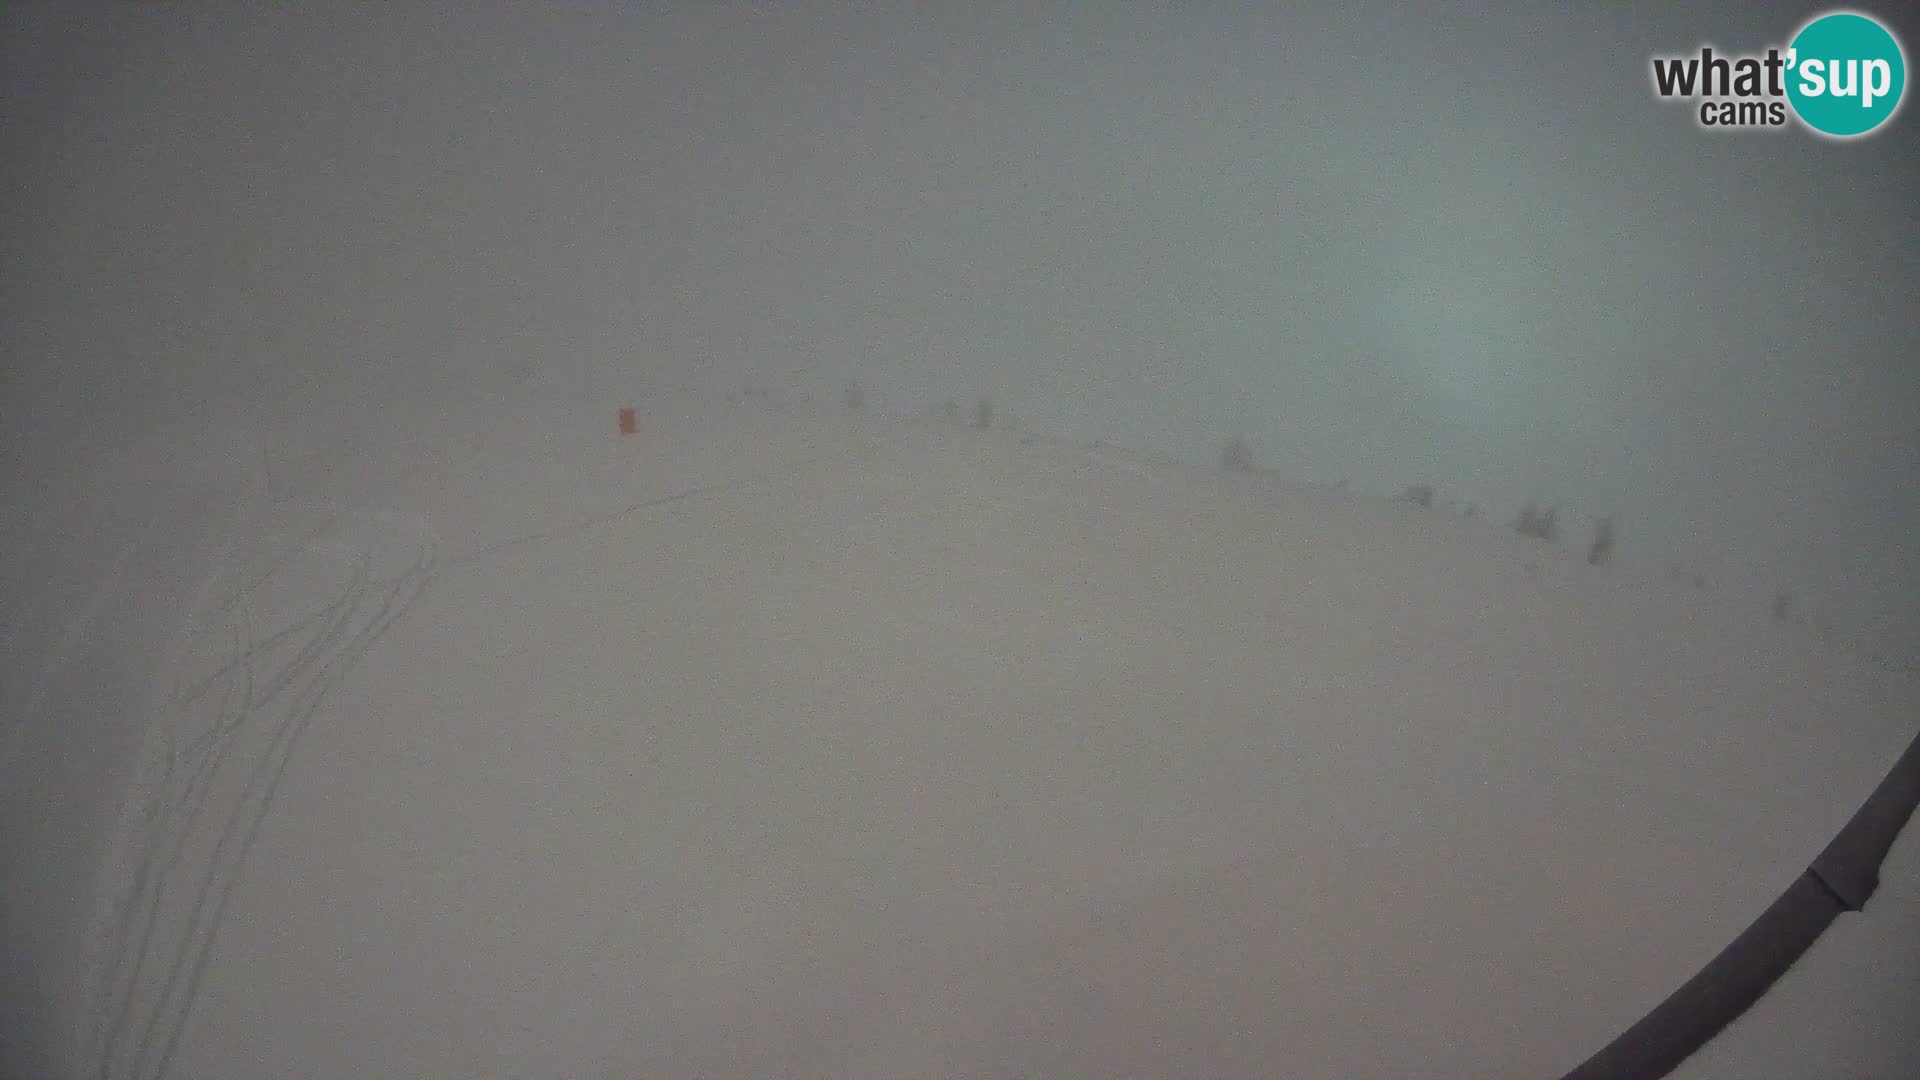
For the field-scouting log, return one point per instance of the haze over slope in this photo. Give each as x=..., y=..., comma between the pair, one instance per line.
x=1458, y=247
x=343, y=640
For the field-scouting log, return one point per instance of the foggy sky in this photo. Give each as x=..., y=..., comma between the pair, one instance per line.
x=1389, y=244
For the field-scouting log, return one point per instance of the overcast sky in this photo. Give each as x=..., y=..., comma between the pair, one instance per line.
x=1389, y=243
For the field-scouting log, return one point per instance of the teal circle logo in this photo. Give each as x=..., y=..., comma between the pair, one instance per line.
x=1845, y=74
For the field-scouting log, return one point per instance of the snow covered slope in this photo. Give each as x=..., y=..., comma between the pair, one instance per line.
x=775, y=738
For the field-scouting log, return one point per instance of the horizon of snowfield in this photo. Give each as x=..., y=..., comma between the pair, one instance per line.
x=477, y=739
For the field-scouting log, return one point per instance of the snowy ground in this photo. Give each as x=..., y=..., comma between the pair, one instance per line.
x=780, y=738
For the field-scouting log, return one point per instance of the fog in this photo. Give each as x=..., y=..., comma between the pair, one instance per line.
x=1388, y=246
x=301, y=306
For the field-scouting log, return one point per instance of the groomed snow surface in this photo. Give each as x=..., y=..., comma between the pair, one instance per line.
x=776, y=739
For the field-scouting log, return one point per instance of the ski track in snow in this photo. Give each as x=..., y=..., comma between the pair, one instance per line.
x=216, y=754
x=212, y=764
